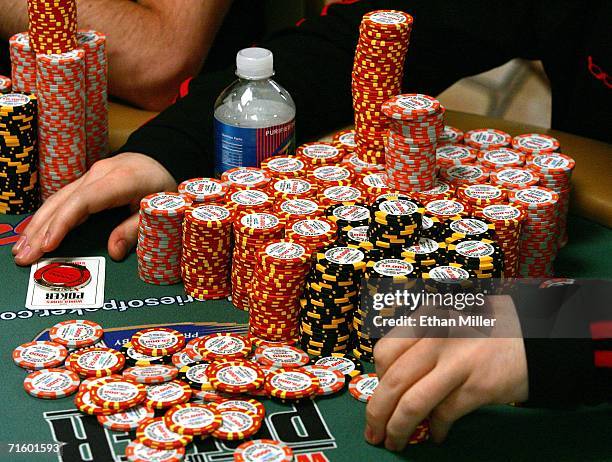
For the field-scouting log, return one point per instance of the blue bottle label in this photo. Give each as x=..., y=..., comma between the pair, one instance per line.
x=248, y=147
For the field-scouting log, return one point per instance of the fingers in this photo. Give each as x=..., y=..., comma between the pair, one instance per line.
x=123, y=238
x=457, y=404
x=387, y=350
x=405, y=371
x=417, y=403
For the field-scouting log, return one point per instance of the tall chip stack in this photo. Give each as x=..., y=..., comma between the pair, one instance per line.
x=160, y=238
x=396, y=223
x=348, y=217
x=19, y=192
x=53, y=26
x=6, y=85
x=96, y=80
x=60, y=83
x=206, y=252
x=415, y=123
x=274, y=291
x=555, y=172
x=23, y=63
x=377, y=75
x=251, y=232
x=329, y=300
x=203, y=190
x=482, y=256
x=538, y=242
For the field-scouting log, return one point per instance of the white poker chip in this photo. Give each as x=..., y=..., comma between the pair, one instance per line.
x=39, y=355
x=127, y=420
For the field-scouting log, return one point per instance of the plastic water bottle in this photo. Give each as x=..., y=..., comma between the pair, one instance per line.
x=254, y=116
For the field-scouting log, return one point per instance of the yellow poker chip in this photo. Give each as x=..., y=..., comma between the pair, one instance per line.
x=155, y=434
x=193, y=419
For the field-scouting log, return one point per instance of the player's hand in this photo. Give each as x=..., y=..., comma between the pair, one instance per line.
x=120, y=180
x=444, y=379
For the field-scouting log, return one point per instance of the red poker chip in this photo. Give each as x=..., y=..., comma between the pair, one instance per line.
x=62, y=276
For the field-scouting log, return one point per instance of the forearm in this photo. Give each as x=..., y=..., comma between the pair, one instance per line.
x=152, y=45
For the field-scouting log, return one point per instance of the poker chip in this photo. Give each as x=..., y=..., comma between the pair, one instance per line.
x=362, y=387
x=155, y=434
x=292, y=384
x=253, y=406
x=346, y=138
x=332, y=175
x=76, y=333
x=455, y=154
x=478, y=196
x=59, y=276
x=39, y=355
x=331, y=381
x=468, y=227
x=210, y=396
x=450, y=278
x=320, y=153
x=223, y=346
x=284, y=166
x=158, y=341
x=51, y=383
x=313, y=233
x=249, y=200
x=514, y=177
x=193, y=419
x=377, y=73
x=165, y=395
x=465, y=174
x=421, y=433
x=126, y=420
x=291, y=210
x=295, y=188
x=450, y=135
x=246, y=178
x=236, y=377
x=344, y=363
x=96, y=94
x=237, y=424
x=5, y=84
x=251, y=231
x=535, y=143
x=446, y=208
x=360, y=167
x=285, y=356
x=557, y=282
x=195, y=376
x=499, y=158
x=158, y=373
x=23, y=64
x=89, y=382
x=487, y=138
x=19, y=191
x=95, y=362
x=83, y=402
x=191, y=349
x=52, y=26
x=181, y=359
x=61, y=89
x=160, y=239
x=118, y=393
x=138, y=452
x=263, y=450
x=133, y=358
x=203, y=190
x=206, y=252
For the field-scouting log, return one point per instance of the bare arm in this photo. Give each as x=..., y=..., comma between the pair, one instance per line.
x=153, y=45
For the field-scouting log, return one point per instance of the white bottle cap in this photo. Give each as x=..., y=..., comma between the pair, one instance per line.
x=254, y=63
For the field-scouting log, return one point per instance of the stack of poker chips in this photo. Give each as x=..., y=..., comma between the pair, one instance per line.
x=426, y=253
x=241, y=178
x=274, y=291
x=468, y=227
x=348, y=217
x=382, y=276
x=159, y=238
x=449, y=155
x=555, y=172
x=514, y=177
x=483, y=139
x=446, y=208
x=451, y=278
x=329, y=300
x=203, y=190
x=345, y=195
x=96, y=80
x=415, y=123
x=331, y=175
x=538, y=242
x=495, y=159
x=320, y=153
x=360, y=167
x=292, y=188
x=374, y=185
x=52, y=26
x=206, y=255
x=395, y=224
x=432, y=228
x=533, y=144
x=458, y=175
x=248, y=200
x=347, y=139
x=5, y=85
x=477, y=196
x=284, y=167
x=377, y=75
x=23, y=63
x=450, y=135
x=507, y=220
x=291, y=210
x=19, y=192
x=313, y=233
x=251, y=232
x=60, y=83
x=440, y=190
x=482, y=256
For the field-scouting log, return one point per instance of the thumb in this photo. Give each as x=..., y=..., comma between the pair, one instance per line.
x=123, y=238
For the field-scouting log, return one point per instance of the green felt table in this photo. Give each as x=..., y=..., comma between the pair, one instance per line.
x=331, y=429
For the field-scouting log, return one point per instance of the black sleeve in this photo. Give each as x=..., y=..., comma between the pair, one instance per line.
x=450, y=40
x=567, y=331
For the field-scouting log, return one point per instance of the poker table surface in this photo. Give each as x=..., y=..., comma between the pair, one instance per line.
x=328, y=429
